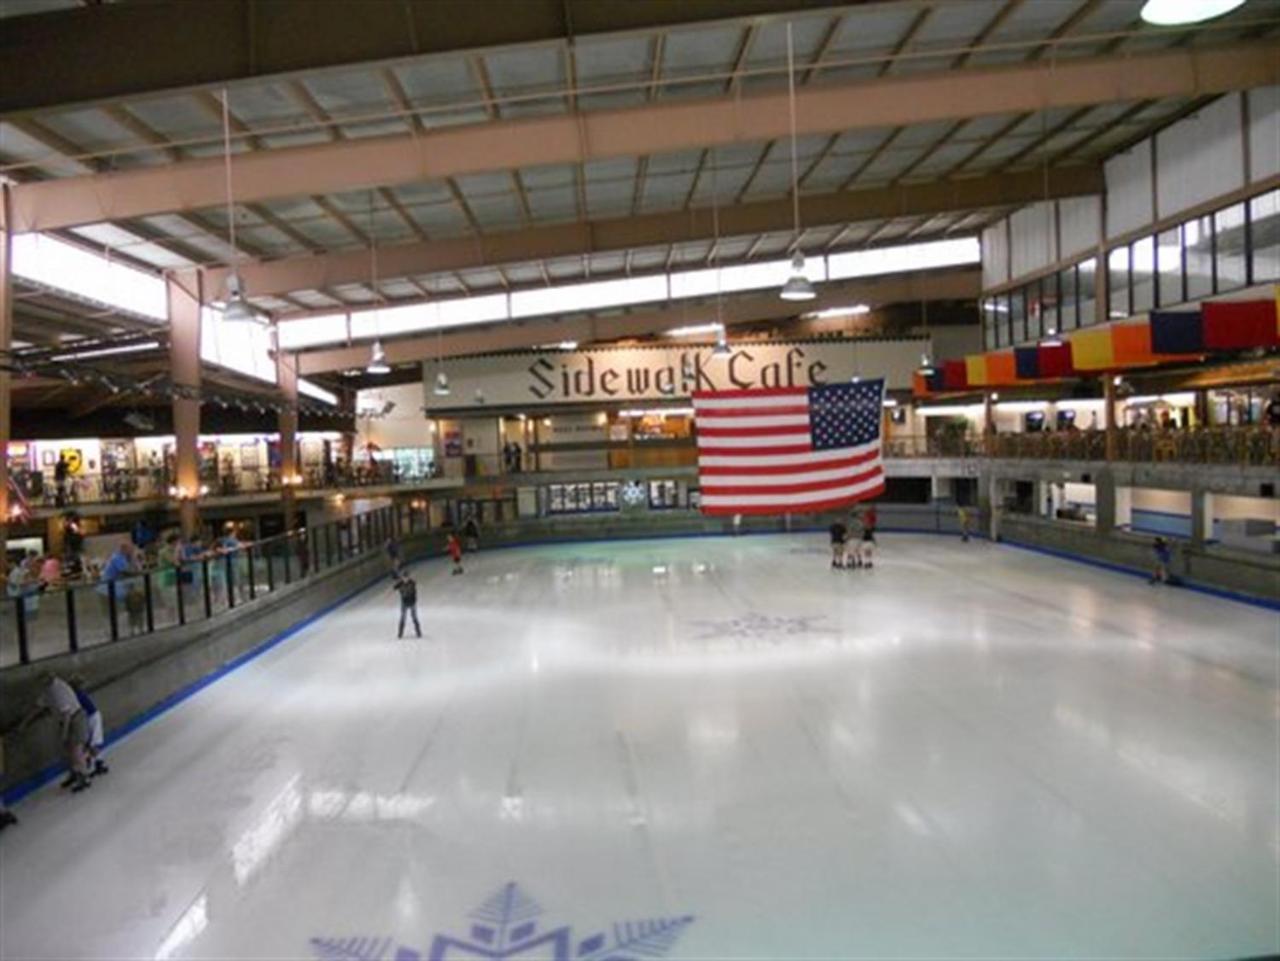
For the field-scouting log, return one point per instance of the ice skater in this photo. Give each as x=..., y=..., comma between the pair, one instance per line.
x=839, y=534
x=93, y=719
x=407, y=588
x=392, y=547
x=454, y=547
x=966, y=520
x=59, y=699
x=867, y=549
x=1163, y=555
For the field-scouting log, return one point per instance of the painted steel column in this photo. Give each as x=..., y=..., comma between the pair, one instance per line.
x=287, y=379
x=1201, y=517
x=6, y=390
x=1105, y=500
x=988, y=425
x=185, y=294
x=1109, y=394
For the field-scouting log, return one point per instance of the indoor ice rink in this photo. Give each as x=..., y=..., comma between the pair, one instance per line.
x=640, y=480
x=967, y=751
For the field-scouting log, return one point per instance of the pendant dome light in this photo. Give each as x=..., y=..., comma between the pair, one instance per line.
x=797, y=286
x=237, y=309
x=1168, y=13
x=442, y=379
x=378, y=357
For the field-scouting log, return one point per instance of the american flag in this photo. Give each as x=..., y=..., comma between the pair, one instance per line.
x=789, y=450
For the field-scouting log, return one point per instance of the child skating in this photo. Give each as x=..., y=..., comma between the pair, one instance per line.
x=407, y=588
x=454, y=547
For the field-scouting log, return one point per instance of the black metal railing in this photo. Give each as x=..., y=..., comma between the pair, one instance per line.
x=38, y=620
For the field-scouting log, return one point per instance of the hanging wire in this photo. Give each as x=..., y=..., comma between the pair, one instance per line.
x=226, y=156
x=795, y=167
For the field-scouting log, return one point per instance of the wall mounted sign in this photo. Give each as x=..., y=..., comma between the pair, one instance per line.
x=668, y=373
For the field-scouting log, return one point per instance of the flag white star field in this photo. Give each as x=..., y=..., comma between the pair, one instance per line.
x=789, y=450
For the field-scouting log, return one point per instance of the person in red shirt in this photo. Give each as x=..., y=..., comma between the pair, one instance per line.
x=454, y=547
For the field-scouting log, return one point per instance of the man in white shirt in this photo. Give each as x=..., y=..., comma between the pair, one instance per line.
x=59, y=699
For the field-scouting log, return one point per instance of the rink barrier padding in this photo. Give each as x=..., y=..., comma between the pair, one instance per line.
x=38, y=780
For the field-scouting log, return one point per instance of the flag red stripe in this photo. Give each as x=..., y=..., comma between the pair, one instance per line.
x=783, y=469
x=715, y=413
x=759, y=451
x=813, y=508
x=751, y=392
x=728, y=490
x=800, y=430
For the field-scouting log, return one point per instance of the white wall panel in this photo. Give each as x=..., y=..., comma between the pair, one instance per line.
x=1129, y=190
x=995, y=254
x=1033, y=244
x=1264, y=132
x=1079, y=224
x=1200, y=157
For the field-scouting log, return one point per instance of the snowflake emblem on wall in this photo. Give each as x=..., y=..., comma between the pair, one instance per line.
x=507, y=926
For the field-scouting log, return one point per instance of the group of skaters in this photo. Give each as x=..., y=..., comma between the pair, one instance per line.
x=404, y=584
x=853, y=545
x=80, y=732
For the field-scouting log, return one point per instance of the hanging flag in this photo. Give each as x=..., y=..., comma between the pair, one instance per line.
x=1177, y=332
x=976, y=369
x=1092, y=350
x=1131, y=344
x=1240, y=325
x=1026, y=361
x=955, y=375
x=789, y=450
x=1054, y=360
x=1002, y=369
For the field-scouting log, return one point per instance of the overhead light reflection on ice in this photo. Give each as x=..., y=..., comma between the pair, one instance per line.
x=187, y=928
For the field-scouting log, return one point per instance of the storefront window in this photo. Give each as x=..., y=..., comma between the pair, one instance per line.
x=1169, y=264
x=1087, y=279
x=1118, y=299
x=1229, y=248
x=1069, y=312
x=1197, y=246
x=1143, y=274
x=1264, y=237
x=1018, y=316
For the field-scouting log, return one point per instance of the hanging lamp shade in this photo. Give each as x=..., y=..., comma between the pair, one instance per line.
x=442, y=384
x=238, y=310
x=378, y=360
x=797, y=286
x=721, y=349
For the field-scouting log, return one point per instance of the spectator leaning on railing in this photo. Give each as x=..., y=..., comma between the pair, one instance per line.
x=114, y=579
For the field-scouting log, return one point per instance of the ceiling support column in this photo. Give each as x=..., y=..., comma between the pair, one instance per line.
x=287, y=379
x=185, y=295
x=6, y=343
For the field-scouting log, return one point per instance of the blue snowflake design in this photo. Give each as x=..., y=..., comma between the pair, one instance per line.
x=756, y=627
x=507, y=925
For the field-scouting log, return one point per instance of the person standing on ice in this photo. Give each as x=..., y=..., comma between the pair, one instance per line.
x=1163, y=555
x=454, y=547
x=839, y=533
x=392, y=547
x=407, y=588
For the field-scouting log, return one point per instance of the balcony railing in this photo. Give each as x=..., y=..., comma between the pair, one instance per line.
x=1236, y=446
x=40, y=620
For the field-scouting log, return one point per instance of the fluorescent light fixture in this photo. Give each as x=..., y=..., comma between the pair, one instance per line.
x=378, y=360
x=561, y=345
x=658, y=412
x=694, y=330
x=890, y=402
x=852, y=310
x=1022, y=406
x=950, y=410
x=109, y=351
x=1169, y=13
x=797, y=286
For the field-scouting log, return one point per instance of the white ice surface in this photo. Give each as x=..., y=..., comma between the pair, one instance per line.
x=971, y=751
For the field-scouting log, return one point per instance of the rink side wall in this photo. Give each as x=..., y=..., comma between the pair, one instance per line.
x=137, y=678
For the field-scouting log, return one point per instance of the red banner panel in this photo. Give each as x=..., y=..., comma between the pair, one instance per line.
x=1239, y=325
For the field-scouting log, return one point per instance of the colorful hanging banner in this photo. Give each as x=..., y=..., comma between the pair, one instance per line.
x=1002, y=369
x=1054, y=360
x=1131, y=344
x=976, y=370
x=955, y=375
x=1092, y=350
x=1177, y=332
x=1026, y=362
x=1239, y=325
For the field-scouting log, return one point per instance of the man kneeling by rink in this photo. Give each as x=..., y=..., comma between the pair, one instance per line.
x=60, y=699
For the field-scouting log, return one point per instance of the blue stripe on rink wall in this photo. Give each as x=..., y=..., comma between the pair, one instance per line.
x=36, y=781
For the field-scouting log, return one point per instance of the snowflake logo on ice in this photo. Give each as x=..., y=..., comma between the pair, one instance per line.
x=507, y=926
x=754, y=626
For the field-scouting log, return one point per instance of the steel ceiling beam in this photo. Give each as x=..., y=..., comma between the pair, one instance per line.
x=664, y=127
x=651, y=230
x=962, y=284
x=244, y=40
